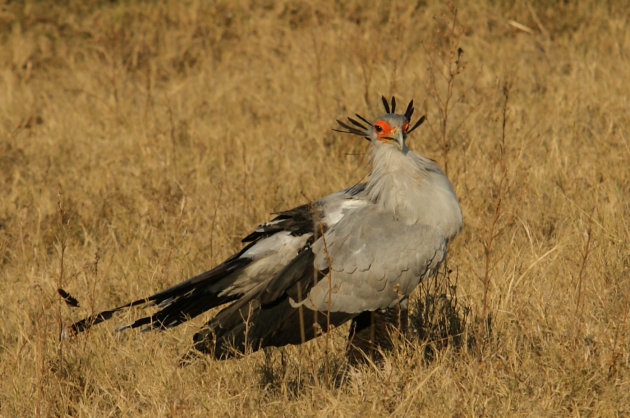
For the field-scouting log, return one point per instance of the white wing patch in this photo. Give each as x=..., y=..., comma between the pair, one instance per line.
x=335, y=211
x=269, y=256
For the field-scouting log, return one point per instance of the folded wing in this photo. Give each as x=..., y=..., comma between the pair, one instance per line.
x=272, y=250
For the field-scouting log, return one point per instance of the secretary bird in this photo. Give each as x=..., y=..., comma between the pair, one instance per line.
x=355, y=255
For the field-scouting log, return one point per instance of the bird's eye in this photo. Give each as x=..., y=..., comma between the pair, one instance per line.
x=378, y=128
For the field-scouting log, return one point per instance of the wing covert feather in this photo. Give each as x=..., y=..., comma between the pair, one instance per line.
x=374, y=261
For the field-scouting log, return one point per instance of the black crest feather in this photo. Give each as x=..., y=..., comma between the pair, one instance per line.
x=385, y=104
x=418, y=123
x=361, y=126
x=389, y=108
x=409, y=110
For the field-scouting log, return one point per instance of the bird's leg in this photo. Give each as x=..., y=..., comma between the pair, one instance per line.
x=372, y=333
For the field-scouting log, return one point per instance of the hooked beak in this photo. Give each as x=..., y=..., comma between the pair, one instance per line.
x=397, y=136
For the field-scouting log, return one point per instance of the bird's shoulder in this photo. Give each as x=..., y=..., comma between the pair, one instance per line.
x=320, y=214
x=373, y=238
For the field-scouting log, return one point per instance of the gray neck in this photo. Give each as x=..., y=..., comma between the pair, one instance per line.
x=413, y=188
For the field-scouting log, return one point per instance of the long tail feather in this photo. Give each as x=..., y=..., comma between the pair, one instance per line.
x=178, y=303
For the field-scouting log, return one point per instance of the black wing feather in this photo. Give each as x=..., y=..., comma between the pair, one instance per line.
x=298, y=221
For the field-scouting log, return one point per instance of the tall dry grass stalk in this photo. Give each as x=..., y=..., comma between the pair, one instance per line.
x=139, y=141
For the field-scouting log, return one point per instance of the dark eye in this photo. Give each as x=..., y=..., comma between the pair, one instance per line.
x=378, y=128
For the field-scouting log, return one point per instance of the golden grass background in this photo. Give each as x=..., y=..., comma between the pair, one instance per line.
x=140, y=140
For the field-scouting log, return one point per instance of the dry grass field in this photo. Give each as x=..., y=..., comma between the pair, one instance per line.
x=140, y=140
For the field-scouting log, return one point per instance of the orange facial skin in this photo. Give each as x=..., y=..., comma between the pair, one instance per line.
x=384, y=130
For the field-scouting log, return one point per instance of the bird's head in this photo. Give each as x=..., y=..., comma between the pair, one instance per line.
x=389, y=128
